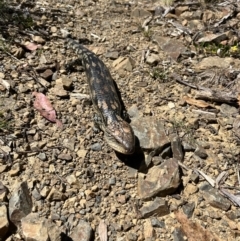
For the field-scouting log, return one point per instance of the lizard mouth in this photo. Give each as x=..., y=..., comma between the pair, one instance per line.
x=121, y=139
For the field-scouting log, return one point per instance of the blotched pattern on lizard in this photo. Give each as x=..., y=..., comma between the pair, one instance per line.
x=117, y=132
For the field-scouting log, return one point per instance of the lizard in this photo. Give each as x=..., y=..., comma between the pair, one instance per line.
x=118, y=133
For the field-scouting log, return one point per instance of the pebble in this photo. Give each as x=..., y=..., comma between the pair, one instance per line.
x=96, y=147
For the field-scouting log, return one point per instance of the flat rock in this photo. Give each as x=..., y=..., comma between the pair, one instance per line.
x=217, y=62
x=20, y=204
x=172, y=47
x=216, y=38
x=150, y=132
x=65, y=156
x=214, y=198
x=159, y=181
x=157, y=207
x=4, y=223
x=82, y=232
x=140, y=13
x=123, y=63
x=37, y=228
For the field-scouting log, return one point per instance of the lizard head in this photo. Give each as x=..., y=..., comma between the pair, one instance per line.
x=120, y=136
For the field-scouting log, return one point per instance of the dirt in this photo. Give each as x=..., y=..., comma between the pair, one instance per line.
x=89, y=181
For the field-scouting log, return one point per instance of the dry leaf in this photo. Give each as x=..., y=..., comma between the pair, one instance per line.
x=102, y=231
x=194, y=231
x=43, y=105
x=199, y=103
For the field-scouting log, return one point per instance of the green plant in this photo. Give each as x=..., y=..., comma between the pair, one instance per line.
x=159, y=74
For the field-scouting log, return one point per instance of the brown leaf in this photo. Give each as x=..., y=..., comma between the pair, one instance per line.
x=43, y=105
x=194, y=231
x=199, y=103
x=102, y=231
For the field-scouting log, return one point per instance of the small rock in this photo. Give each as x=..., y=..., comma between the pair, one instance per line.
x=214, y=198
x=214, y=62
x=42, y=156
x=59, y=91
x=216, y=38
x=47, y=74
x=190, y=189
x=45, y=191
x=172, y=47
x=67, y=83
x=200, y=151
x=157, y=224
x=112, y=181
x=4, y=223
x=177, y=148
x=53, y=29
x=178, y=235
x=121, y=199
x=55, y=195
x=132, y=237
x=157, y=207
x=71, y=179
x=3, y=168
x=16, y=168
x=150, y=132
x=152, y=59
x=111, y=55
x=37, y=228
x=148, y=230
x=36, y=194
x=228, y=110
x=38, y=39
x=65, y=156
x=20, y=204
x=82, y=232
x=159, y=181
x=3, y=193
x=81, y=153
x=123, y=63
x=69, y=143
x=188, y=209
x=96, y=147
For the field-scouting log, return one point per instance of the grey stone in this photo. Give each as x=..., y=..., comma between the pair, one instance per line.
x=96, y=147
x=150, y=132
x=157, y=224
x=20, y=204
x=188, y=209
x=42, y=156
x=178, y=235
x=159, y=181
x=157, y=207
x=82, y=232
x=228, y=110
x=112, y=181
x=177, y=148
x=36, y=194
x=65, y=156
x=200, y=151
x=214, y=198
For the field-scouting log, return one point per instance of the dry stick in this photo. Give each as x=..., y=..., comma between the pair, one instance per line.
x=208, y=94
